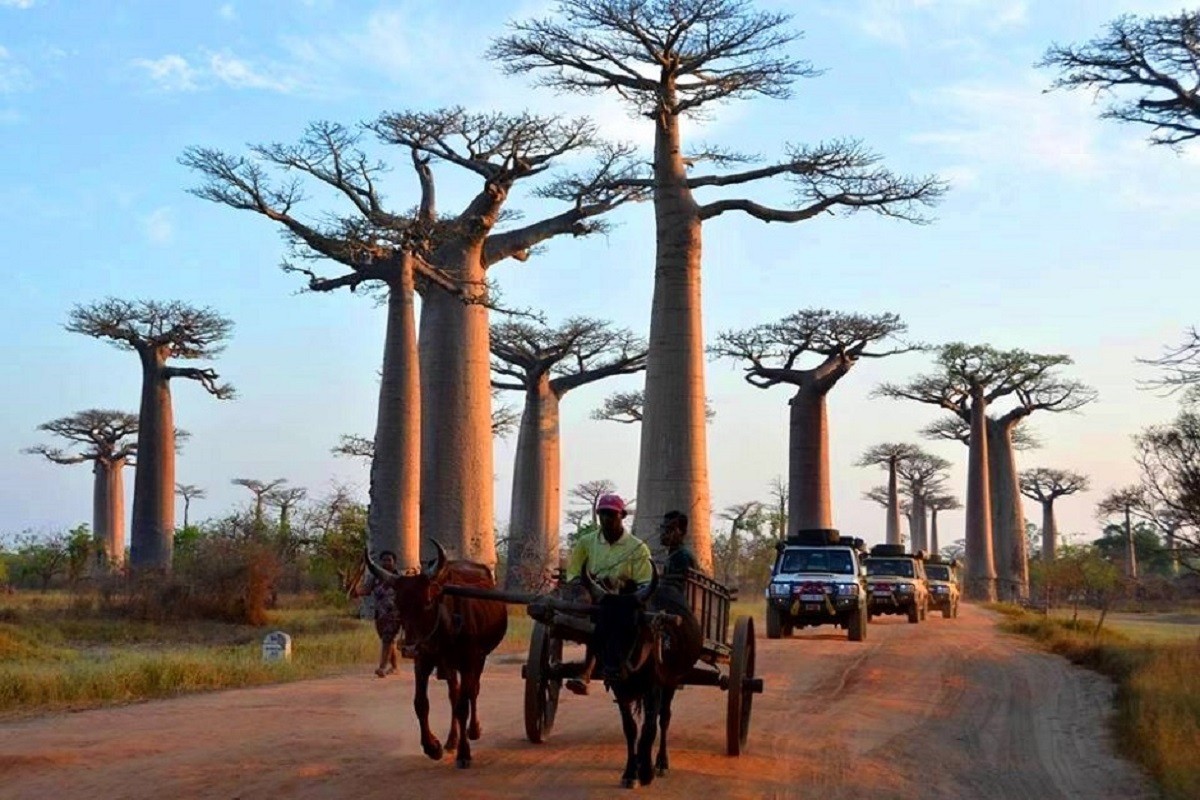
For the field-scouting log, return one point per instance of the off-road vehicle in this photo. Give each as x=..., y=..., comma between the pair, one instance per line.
x=896, y=582
x=942, y=577
x=817, y=580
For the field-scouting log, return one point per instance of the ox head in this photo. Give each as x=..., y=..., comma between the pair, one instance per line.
x=417, y=593
x=622, y=637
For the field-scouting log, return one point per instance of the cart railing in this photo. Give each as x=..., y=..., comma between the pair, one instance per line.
x=710, y=602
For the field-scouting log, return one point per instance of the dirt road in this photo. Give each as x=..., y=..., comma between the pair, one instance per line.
x=945, y=709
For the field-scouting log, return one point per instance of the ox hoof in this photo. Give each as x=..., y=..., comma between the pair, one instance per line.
x=463, y=763
x=662, y=771
x=627, y=783
x=434, y=750
x=473, y=732
x=645, y=777
x=451, y=745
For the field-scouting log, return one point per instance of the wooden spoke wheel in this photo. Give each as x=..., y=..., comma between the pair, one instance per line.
x=542, y=686
x=742, y=687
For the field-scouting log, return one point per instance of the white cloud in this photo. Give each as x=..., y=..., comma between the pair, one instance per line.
x=1012, y=125
x=227, y=12
x=16, y=3
x=175, y=73
x=171, y=73
x=158, y=227
x=898, y=21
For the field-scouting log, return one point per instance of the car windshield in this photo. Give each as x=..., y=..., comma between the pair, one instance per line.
x=890, y=566
x=937, y=572
x=837, y=562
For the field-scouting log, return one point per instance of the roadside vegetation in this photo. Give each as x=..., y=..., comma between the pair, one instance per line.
x=1154, y=662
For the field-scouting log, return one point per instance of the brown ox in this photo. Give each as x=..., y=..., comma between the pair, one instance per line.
x=452, y=635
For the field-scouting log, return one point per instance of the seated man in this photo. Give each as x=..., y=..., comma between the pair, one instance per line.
x=612, y=557
x=679, y=558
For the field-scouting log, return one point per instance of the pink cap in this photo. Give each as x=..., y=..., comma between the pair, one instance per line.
x=611, y=502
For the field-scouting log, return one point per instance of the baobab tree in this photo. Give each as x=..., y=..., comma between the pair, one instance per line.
x=447, y=397
x=544, y=363
x=626, y=408
x=1180, y=364
x=590, y=492
x=1168, y=456
x=967, y=380
x=937, y=501
x=1123, y=503
x=1046, y=485
x=923, y=474
x=260, y=490
x=882, y=496
x=284, y=499
x=888, y=456
x=669, y=61
x=738, y=515
x=159, y=333
x=189, y=493
x=107, y=441
x=1153, y=58
x=771, y=353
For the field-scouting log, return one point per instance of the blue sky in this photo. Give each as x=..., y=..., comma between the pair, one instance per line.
x=1062, y=233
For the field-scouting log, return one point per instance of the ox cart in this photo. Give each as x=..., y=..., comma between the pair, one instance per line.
x=724, y=663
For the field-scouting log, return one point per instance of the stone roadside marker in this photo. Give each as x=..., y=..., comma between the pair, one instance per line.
x=277, y=646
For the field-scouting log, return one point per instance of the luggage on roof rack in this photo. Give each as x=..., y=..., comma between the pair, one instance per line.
x=851, y=541
x=815, y=537
x=888, y=550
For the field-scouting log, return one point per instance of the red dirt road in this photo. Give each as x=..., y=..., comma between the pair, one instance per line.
x=944, y=709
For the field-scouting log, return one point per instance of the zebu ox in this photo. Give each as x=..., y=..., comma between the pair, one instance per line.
x=645, y=642
x=452, y=635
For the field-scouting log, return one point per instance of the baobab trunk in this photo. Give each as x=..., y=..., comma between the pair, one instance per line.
x=920, y=541
x=981, y=571
x=808, y=461
x=394, y=514
x=533, y=521
x=1008, y=515
x=108, y=515
x=152, y=534
x=1049, y=531
x=1131, y=565
x=934, y=544
x=893, y=506
x=456, y=423
x=673, y=462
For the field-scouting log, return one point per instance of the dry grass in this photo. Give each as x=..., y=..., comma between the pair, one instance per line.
x=1158, y=696
x=58, y=652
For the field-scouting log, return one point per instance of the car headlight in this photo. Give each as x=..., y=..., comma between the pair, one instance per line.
x=847, y=589
x=906, y=587
x=780, y=589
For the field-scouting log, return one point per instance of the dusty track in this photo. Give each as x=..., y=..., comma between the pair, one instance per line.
x=945, y=709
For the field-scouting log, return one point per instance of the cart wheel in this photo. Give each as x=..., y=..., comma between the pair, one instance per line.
x=741, y=691
x=541, y=690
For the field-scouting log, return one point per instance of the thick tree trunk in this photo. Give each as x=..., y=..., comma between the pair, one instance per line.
x=673, y=462
x=1008, y=515
x=893, y=506
x=920, y=537
x=152, y=533
x=934, y=545
x=457, y=473
x=187, y=507
x=393, y=519
x=1049, y=531
x=108, y=515
x=534, y=518
x=981, y=571
x=1131, y=565
x=808, y=461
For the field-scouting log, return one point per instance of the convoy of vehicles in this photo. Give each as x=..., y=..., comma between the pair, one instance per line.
x=822, y=578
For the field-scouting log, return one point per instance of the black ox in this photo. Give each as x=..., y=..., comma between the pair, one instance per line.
x=450, y=635
x=645, y=642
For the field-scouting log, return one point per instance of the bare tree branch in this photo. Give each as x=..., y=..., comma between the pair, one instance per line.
x=1046, y=485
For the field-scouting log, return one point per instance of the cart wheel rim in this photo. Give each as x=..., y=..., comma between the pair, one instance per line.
x=741, y=696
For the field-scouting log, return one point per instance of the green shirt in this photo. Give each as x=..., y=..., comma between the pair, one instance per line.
x=626, y=558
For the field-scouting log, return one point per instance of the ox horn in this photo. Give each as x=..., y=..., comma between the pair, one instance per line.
x=439, y=563
x=594, y=589
x=377, y=570
x=647, y=591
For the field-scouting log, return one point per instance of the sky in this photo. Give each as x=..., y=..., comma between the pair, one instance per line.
x=1062, y=233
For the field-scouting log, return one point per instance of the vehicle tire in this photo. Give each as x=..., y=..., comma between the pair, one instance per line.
x=774, y=623
x=858, y=626
x=786, y=631
x=914, y=613
x=948, y=611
